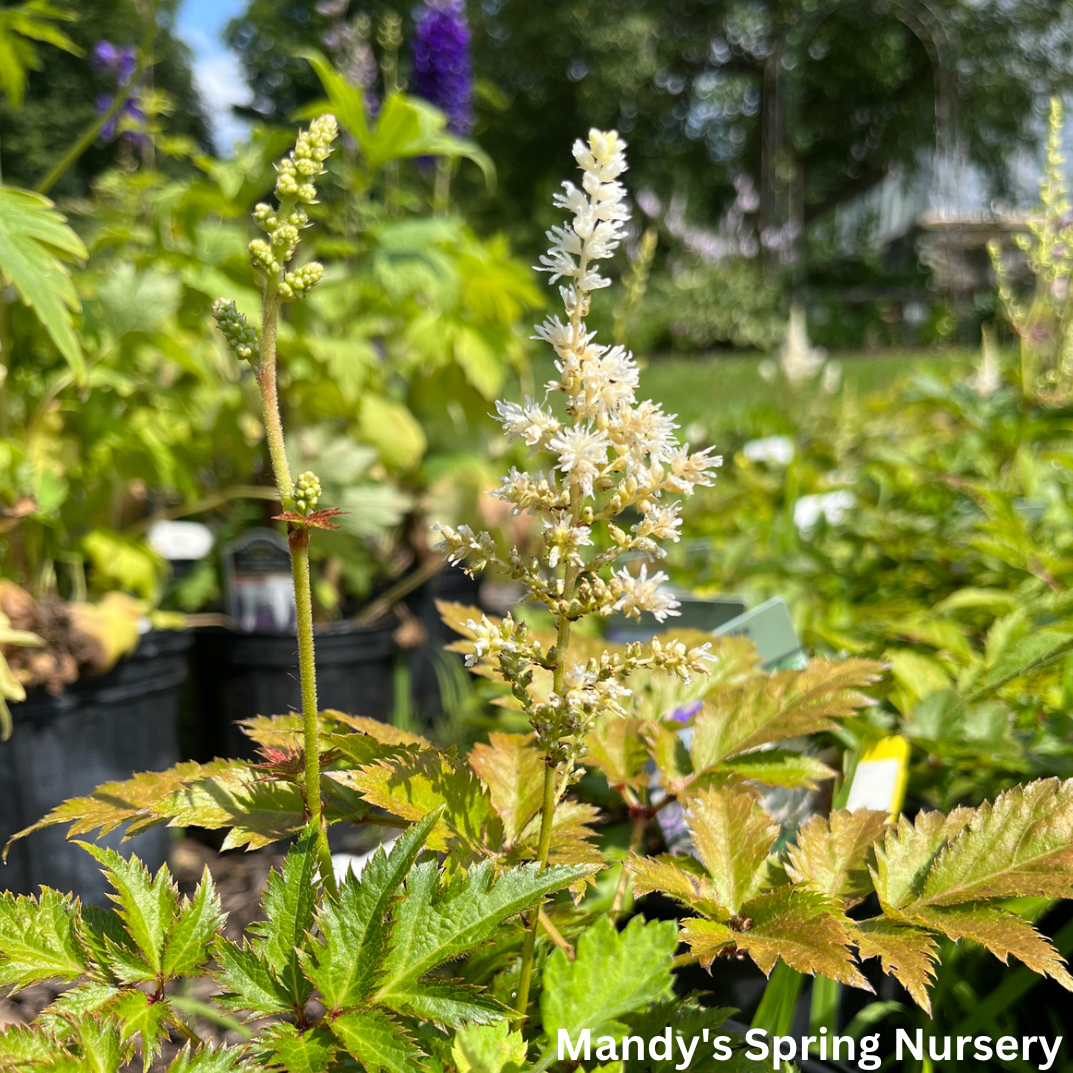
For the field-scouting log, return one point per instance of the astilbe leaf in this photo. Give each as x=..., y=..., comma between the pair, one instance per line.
x=834, y=854
x=35, y=247
x=439, y=920
x=488, y=1049
x=146, y=905
x=370, y=736
x=349, y=964
x=791, y=924
x=1020, y=845
x=288, y=903
x=193, y=929
x=777, y=767
x=142, y=1016
x=774, y=707
x=133, y=801
x=1002, y=933
x=512, y=769
x=906, y=855
x=614, y=973
x=906, y=953
x=39, y=939
x=295, y=1050
x=414, y=784
x=380, y=1043
x=248, y=982
x=257, y=809
x=683, y=879
x=207, y=1060
x=733, y=836
x=617, y=748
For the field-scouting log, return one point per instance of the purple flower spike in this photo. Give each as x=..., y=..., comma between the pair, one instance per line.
x=122, y=62
x=443, y=69
x=687, y=711
x=126, y=66
x=105, y=56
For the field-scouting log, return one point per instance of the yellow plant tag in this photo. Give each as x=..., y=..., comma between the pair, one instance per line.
x=880, y=778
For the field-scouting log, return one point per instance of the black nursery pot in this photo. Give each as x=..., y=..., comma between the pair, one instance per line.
x=241, y=675
x=455, y=586
x=98, y=730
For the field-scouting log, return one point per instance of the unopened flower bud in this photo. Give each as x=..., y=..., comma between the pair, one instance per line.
x=265, y=217
x=306, y=492
x=261, y=257
x=240, y=336
x=301, y=281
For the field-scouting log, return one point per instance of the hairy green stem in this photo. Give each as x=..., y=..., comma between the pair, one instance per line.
x=543, y=848
x=547, y=812
x=89, y=135
x=307, y=672
x=298, y=539
x=266, y=380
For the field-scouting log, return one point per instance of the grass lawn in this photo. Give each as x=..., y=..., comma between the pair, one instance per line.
x=715, y=391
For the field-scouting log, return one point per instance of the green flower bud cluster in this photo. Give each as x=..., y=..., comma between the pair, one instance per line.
x=297, y=172
x=306, y=492
x=283, y=226
x=241, y=337
x=301, y=281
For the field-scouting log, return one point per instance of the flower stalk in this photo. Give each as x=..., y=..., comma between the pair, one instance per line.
x=270, y=257
x=612, y=455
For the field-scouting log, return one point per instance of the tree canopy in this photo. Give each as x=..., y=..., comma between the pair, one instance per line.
x=699, y=87
x=61, y=98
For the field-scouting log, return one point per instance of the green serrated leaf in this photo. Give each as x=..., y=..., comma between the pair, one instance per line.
x=25, y=1046
x=1020, y=845
x=439, y=920
x=448, y=1002
x=614, y=973
x=778, y=767
x=683, y=878
x=311, y=1051
x=907, y=953
x=414, y=784
x=137, y=801
x=733, y=836
x=206, y=1060
x=288, y=906
x=101, y=1044
x=770, y=708
x=908, y=852
x=379, y=1043
x=617, y=747
x=797, y=926
x=513, y=770
x=834, y=855
x=39, y=939
x=356, y=930
x=250, y=983
x=192, y=930
x=146, y=905
x=488, y=1049
x=1001, y=932
x=35, y=246
x=257, y=811
x=80, y=1001
x=140, y=1015
x=105, y=935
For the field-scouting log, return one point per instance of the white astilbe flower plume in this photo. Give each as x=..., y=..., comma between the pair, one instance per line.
x=611, y=453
